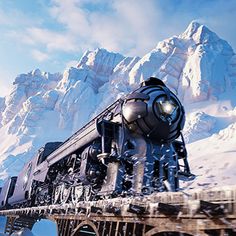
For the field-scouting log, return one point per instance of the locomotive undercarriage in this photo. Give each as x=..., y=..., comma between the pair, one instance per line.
x=142, y=168
x=130, y=148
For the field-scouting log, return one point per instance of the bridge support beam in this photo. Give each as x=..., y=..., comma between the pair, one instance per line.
x=10, y=224
x=114, y=217
x=87, y=224
x=118, y=226
x=15, y=223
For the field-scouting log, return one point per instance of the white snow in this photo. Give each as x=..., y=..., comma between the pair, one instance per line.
x=213, y=160
x=198, y=126
x=197, y=65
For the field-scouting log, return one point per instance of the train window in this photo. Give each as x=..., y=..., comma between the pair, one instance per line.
x=12, y=186
x=26, y=177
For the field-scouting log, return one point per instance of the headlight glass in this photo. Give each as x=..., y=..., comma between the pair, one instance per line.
x=167, y=109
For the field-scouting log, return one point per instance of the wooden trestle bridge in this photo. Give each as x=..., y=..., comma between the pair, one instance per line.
x=194, y=213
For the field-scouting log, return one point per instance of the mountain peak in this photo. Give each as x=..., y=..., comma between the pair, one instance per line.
x=100, y=61
x=199, y=33
x=192, y=29
x=36, y=72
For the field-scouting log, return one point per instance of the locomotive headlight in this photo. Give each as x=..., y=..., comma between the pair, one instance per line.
x=168, y=107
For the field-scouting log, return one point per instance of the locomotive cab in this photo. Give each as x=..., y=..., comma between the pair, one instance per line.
x=23, y=189
x=7, y=191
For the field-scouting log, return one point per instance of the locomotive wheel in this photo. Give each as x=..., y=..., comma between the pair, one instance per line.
x=77, y=193
x=56, y=194
x=65, y=193
x=106, y=197
x=146, y=190
x=47, y=199
x=87, y=193
x=40, y=201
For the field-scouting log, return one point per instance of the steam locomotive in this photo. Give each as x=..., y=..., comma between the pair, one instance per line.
x=134, y=147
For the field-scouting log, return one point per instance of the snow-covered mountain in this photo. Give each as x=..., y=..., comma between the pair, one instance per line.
x=197, y=65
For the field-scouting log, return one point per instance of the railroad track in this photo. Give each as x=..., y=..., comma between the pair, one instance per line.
x=195, y=212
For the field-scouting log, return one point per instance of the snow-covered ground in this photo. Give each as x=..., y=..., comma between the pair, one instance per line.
x=212, y=142
x=197, y=65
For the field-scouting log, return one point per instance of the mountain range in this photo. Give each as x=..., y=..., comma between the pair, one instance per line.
x=197, y=65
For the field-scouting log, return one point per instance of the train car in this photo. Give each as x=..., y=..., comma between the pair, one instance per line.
x=7, y=191
x=22, y=195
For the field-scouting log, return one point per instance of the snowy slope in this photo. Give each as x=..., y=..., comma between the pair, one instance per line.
x=213, y=160
x=197, y=65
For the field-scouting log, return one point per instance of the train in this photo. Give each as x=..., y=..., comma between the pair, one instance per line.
x=134, y=147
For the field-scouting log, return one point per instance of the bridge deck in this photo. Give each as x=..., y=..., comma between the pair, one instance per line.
x=194, y=213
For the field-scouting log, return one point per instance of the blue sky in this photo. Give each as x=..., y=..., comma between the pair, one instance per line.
x=53, y=34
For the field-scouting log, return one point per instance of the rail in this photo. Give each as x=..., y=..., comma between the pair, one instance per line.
x=194, y=212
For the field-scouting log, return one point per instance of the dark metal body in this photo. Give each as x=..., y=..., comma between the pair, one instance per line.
x=22, y=192
x=7, y=191
x=128, y=149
